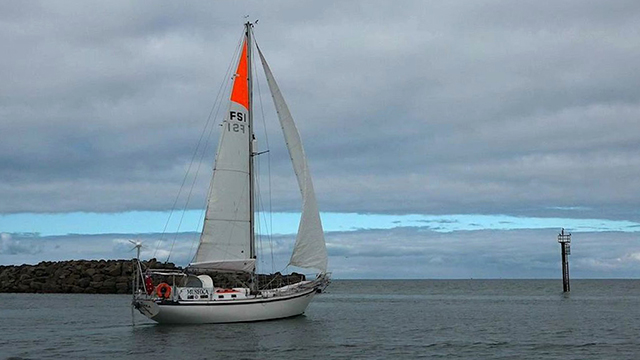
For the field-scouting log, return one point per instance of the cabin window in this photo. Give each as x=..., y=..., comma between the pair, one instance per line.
x=220, y=296
x=233, y=295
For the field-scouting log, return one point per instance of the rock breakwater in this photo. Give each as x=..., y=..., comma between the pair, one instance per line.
x=109, y=277
x=74, y=276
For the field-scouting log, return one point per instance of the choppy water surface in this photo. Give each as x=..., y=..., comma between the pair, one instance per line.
x=355, y=319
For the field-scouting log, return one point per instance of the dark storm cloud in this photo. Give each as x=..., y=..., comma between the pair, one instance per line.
x=441, y=107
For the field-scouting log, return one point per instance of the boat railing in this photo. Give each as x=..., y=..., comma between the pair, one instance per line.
x=164, y=272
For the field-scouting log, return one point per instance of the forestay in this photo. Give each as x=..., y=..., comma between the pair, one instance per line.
x=310, y=249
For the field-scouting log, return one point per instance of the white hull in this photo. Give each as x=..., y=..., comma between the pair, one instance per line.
x=241, y=310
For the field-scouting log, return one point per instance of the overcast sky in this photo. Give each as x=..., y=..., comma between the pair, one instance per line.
x=495, y=108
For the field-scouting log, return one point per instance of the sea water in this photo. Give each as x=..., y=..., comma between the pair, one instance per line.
x=370, y=319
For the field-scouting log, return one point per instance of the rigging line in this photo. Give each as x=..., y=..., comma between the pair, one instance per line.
x=257, y=193
x=266, y=137
x=226, y=83
x=186, y=204
x=230, y=236
x=202, y=216
x=263, y=218
x=216, y=105
x=258, y=224
x=256, y=175
x=273, y=264
x=284, y=270
x=259, y=205
x=200, y=220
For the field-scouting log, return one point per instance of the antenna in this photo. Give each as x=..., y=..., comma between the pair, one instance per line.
x=137, y=245
x=251, y=23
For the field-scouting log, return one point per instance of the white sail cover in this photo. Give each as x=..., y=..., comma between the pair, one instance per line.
x=310, y=250
x=225, y=242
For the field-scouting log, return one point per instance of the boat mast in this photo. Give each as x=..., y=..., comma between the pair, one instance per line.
x=252, y=245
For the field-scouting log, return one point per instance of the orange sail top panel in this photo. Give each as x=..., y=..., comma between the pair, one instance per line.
x=240, y=92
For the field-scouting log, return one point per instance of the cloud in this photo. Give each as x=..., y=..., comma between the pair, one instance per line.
x=398, y=253
x=18, y=249
x=440, y=108
x=421, y=253
x=633, y=256
x=11, y=246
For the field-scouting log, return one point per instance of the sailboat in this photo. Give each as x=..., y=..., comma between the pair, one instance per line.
x=227, y=242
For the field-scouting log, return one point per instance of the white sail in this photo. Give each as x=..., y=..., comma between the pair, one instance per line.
x=310, y=250
x=225, y=242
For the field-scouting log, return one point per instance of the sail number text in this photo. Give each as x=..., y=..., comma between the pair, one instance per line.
x=237, y=127
x=237, y=116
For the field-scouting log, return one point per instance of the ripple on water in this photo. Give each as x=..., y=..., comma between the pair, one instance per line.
x=353, y=320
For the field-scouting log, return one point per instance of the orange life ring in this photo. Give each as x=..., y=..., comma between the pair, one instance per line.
x=163, y=291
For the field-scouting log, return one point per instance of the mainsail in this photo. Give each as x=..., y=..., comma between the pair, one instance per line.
x=225, y=243
x=310, y=250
